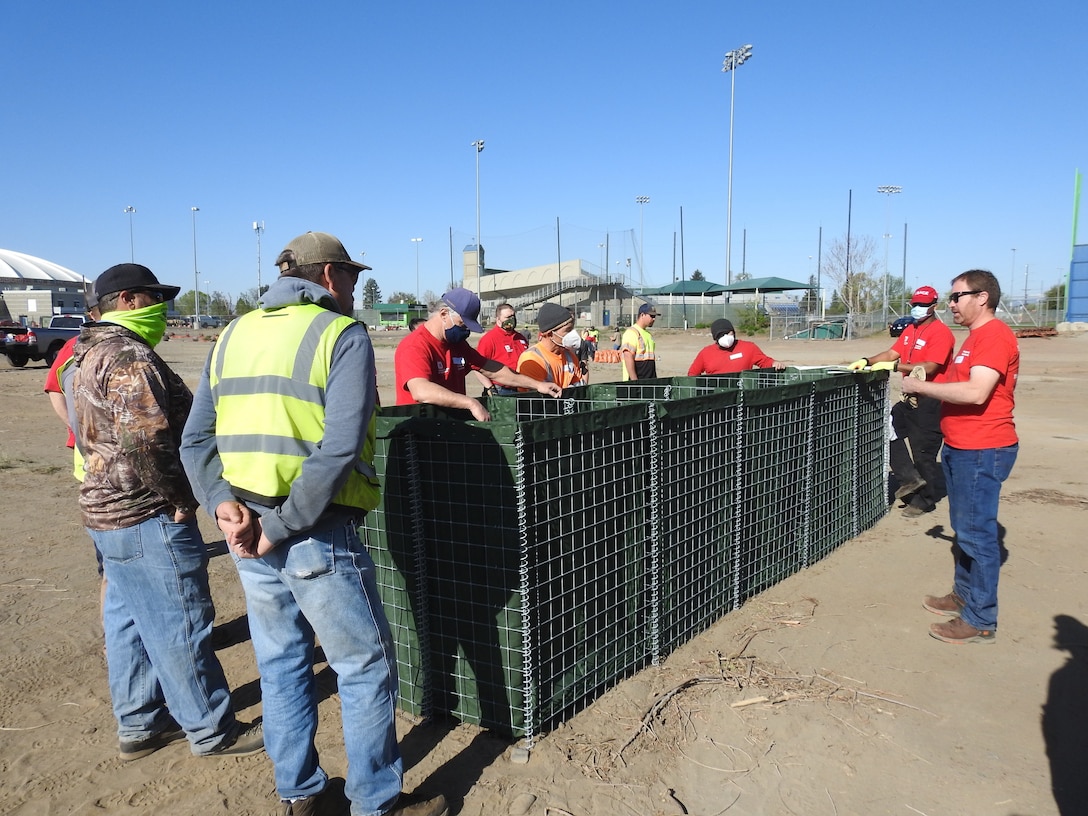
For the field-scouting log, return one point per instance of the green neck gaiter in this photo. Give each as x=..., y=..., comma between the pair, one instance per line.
x=148, y=322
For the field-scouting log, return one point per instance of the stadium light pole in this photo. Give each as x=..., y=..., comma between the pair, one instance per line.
x=640, y=200
x=258, y=228
x=733, y=60
x=1012, y=279
x=888, y=190
x=417, y=242
x=196, y=276
x=479, y=145
x=131, y=252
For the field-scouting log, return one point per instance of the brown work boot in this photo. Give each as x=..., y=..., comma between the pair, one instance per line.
x=958, y=631
x=949, y=605
x=330, y=802
x=415, y=805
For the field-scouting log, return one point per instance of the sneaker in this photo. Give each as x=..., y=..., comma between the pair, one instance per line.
x=950, y=605
x=913, y=511
x=247, y=740
x=958, y=631
x=414, y=805
x=330, y=802
x=138, y=749
x=910, y=487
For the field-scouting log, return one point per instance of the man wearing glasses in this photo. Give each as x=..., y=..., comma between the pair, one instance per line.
x=927, y=344
x=432, y=362
x=979, y=452
x=165, y=681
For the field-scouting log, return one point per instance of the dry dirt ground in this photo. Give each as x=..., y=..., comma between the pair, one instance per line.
x=824, y=695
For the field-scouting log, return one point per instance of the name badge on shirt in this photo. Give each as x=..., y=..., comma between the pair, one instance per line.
x=736, y=356
x=458, y=362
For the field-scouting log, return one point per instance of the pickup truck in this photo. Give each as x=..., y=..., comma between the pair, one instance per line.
x=21, y=344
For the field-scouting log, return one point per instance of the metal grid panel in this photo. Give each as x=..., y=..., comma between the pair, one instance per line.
x=695, y=495
x=529, y=565
x=469, y=521
x=586, y=524
x=833, y=467
x=655, y=390
x=528, y=407
x=871, y=451
x=391, y=535
x=773, y=493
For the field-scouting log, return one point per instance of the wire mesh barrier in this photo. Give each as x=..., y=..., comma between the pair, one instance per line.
x=529, y=563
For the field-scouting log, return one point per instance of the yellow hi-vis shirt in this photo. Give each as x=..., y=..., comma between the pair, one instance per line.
x=268, y=375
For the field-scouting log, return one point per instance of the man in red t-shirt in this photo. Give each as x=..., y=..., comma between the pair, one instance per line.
x=728, y=355
x=926, y=344
x=979, y=452
x=503, y=342
x=432, y=362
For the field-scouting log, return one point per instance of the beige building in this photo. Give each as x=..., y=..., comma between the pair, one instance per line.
x=596, y=300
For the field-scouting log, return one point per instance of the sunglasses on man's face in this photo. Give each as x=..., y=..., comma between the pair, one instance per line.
x=954, y=297
x=155, y=296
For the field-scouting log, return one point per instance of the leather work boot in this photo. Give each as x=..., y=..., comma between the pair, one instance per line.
x=414, y=805
x=330, y=802
x=138, y=749
x=245, y=741
x=958, y=631
x=949, y=605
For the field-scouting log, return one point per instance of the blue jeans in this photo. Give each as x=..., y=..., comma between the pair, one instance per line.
x=323, y=584
x=158, y=616
x=974, y=480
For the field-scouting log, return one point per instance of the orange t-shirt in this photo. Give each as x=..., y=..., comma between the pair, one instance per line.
x=990, y=425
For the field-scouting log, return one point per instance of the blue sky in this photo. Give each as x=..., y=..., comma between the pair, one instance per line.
x=358, y=118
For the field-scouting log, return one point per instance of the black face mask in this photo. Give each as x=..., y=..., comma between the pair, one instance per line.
x=509, y=324
x=457, y=334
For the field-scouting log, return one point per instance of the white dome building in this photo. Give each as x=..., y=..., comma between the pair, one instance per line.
x=32, y=290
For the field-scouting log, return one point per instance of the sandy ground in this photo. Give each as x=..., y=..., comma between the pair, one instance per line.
x=824, y=695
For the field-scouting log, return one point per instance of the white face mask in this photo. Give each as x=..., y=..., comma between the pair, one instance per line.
x=726, y=341
x=919, y=312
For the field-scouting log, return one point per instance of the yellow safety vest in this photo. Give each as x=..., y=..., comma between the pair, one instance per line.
x=643, y=345
x=268, y=374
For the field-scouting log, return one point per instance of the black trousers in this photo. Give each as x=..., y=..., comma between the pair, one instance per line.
x=921, y=427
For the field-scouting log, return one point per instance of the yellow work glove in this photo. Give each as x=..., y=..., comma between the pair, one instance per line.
x=884, y=366
x=857, y=365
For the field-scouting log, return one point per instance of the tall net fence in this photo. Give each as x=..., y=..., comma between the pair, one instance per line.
x=530, y=563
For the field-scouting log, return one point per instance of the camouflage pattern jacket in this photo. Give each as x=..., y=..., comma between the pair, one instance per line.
x=131, y=409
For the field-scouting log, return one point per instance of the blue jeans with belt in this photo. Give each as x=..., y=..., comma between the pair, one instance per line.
x=322, y=584
x=974, y=479
x=158, y=616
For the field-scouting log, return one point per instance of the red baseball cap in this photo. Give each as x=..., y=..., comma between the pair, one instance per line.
x=924, y=296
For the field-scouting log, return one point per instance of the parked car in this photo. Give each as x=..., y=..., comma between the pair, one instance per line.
x=896, y=327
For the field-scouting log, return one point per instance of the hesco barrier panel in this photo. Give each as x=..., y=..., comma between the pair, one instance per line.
x=529, y=563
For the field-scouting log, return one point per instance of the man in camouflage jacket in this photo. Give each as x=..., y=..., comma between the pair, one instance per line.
x=137, y=505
